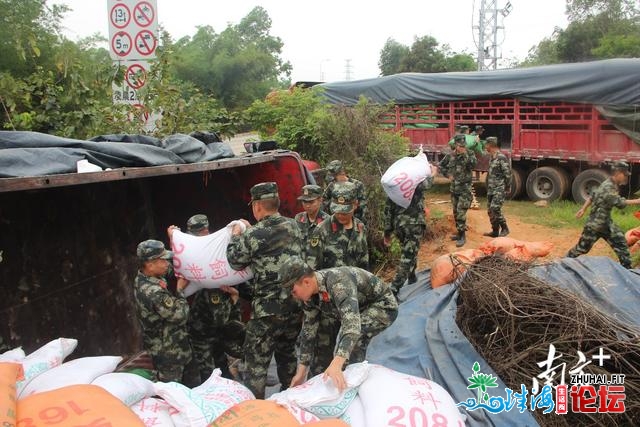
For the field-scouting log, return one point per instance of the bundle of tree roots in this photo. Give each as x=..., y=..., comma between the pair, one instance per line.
x=511, y=318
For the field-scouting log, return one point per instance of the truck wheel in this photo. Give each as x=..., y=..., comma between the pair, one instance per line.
x=547, y=183
x=585, y=182
x=517, y=183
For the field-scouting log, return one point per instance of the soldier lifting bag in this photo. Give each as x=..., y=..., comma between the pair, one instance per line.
x=402, y=178
x=202, y=260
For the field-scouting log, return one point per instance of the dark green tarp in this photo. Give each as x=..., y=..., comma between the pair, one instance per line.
x=613, y=85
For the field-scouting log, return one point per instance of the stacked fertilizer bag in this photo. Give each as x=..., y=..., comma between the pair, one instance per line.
x=375, y=397
x=41, y=389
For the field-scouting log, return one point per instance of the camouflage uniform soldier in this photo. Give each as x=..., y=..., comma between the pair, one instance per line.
x=336, y=170
x=458, y=166
x=308, y=220
x=498, y=180
x=364, y=303
x=214, y=323
x=599, y=224
x=276, y=319
x=339, y=241
x=163, y=316
x=409, y=225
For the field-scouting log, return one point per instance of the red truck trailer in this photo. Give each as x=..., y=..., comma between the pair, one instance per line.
x=560, y=124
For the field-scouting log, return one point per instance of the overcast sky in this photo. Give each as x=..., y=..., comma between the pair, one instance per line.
x=319, y=37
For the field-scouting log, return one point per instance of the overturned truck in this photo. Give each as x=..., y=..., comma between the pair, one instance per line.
x=68, y=240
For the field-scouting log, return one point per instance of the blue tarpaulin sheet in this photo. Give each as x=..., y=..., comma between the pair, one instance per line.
x=425, y=340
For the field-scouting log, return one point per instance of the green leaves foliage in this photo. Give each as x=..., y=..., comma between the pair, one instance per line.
x=597, y=29
x=301, y=120
x=238, y=65
x=425, y=55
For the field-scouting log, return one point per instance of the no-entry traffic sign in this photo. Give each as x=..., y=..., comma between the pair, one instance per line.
x=135, y=76
x=145, y=43
x=144, y=13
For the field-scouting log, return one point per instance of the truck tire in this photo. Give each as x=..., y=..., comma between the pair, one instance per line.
x=547, y=183
x=517, y=183
x=585, y=182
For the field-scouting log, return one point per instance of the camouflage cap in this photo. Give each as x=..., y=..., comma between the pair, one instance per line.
x=152, y=249
x=492, y=140
x=344, y=196
x=621, y=166
x=478, y=128
x=264, y=190
x=310, y=192
x=460, y=140
x=464, y=127
x=291, y=270
x=334, y=167
x=197, y=223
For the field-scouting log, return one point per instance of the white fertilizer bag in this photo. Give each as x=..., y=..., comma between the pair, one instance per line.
x=223, y=391
x=354, y=415
x=46, y=357
x=202, y=260
x=402, y=178
x=321, y=397
x=154, y=412
x=129, y=388
x=78, y=371
x=14, y=355
x=392, y=398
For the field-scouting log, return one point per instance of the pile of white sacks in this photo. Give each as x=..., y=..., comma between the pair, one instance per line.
x=375, y=396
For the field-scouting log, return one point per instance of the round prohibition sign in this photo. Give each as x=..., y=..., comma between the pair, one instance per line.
x=121, y=43
x=140, y=112
x=143, y=14
x=145, y=42
x=120, y=15
x=136, y=76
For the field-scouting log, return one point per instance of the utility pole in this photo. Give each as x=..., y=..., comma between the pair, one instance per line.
x=488, y=28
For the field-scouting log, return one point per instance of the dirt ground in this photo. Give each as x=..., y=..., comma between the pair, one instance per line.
x=478, y=222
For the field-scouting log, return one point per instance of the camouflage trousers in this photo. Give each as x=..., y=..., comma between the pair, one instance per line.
x=461, y=203
x=216, y=331
x=373, y=320
x=410, y=236
x=328, y=327
x=494, y=209
x=171, y=370
x=266, y=337
x=613, y=236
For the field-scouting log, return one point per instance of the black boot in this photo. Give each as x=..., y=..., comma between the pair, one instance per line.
x=494, y=231
x=461, y=241
x=455, y=236
x=505, y=229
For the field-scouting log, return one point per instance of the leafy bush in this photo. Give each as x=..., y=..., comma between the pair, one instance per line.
x=302, y=121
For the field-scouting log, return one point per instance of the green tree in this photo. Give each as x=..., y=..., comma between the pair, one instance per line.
x=391, y=57
x=28, y=35
x=238, y=65
x=301, y=120
x=425, y=55
x=181, y=106
x=597, y=29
